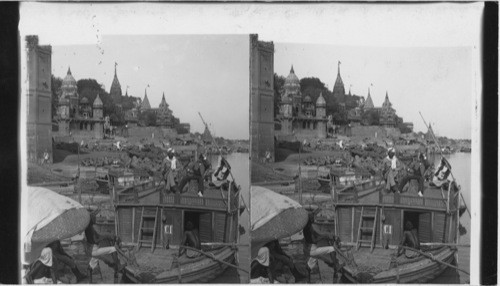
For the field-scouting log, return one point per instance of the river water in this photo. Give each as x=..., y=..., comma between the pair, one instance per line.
x=461, y=169
x=240, y=169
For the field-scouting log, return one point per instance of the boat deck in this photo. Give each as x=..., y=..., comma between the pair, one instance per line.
x=164, y=265
x=381, y=259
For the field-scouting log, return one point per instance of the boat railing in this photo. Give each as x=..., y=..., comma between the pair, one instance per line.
x=391, y=199
x=411, y=200
x=132, y=196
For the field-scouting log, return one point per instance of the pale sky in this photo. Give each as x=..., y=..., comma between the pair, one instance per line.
x=198, y=73
x=387, y=44
x=436, y=81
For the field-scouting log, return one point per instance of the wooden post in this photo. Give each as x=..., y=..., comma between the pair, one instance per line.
x=457, y=234
x=133, y=224
x=229, y=192
x=78, y=177
x=352, y=224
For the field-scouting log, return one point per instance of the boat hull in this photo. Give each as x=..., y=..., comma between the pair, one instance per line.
x=418, y=272
x=201, y=271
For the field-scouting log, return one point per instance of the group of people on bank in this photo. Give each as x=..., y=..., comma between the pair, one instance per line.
x=199, y=170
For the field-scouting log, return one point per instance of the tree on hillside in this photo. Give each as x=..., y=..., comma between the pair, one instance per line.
x=313, y=82
x=147, y=118
x=371, y=117
x=56, y=83
x=279, y=82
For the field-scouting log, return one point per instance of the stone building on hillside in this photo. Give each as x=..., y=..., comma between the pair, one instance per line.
x=39, y=98
x=301, y=116
x=78, y=117
x=164, y=115
x=387, y=114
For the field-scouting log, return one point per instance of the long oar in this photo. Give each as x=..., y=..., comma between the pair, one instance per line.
x=434, y=259
x=210, y=255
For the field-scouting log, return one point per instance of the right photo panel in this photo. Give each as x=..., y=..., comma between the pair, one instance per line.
x=360, y=163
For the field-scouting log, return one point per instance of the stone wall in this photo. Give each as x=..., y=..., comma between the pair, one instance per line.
x=374, y=131
x=147, y=132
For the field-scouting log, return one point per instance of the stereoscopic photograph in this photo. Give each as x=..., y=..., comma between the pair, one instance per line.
x=250, y=143
x=137, y=168
x=361, y=162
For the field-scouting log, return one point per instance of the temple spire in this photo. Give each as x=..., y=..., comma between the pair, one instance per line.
x=115, y=67
x=291, y=70
x=69, y=70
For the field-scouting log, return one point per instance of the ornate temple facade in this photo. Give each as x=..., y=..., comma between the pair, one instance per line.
x=164, y=115
x=300, y=115
x=387, y=114
x=78, y=117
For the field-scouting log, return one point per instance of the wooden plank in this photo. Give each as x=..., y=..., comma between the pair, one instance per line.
x=424, y=227
x=205, y=227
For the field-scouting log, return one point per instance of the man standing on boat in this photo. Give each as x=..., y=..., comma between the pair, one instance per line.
x=169, y=169
x=320, y=245
x=391, y=167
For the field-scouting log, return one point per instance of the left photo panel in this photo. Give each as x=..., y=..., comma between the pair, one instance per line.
x=134, y=153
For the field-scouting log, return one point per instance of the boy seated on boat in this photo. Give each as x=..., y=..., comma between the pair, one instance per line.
x=410, y=239
x=190, y=239
x=196, y=171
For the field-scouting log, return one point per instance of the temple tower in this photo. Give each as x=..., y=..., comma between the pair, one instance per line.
x=338, y=87
x=39, y=121
x=145, y=102
x=261, y=98
x=98, y=117
x=321, y=114
x=116, y=89
x=368, y=102
x=292, y=90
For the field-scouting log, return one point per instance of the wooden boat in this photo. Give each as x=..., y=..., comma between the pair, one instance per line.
x=119, y=178
x=371, y=229
x=346, y=179
x=143, y=212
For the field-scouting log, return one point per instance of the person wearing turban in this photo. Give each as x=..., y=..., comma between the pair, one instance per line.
x=391, y=167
